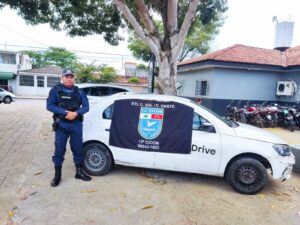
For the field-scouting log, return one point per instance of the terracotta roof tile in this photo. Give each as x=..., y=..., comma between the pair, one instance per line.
x=253, y=55
x=293, y=56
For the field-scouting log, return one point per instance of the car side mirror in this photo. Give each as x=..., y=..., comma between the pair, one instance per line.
x=208, y=127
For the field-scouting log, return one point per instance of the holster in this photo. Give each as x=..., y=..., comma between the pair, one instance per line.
x=55, y=124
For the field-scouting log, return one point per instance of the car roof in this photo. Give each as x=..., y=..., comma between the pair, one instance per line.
x=155, y=97
x=84, y=85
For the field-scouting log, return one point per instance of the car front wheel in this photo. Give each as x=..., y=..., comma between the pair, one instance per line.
x=97, y=160
x=7, y=100
x=247, y=176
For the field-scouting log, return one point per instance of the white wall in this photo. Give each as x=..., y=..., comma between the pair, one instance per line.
x=25, y=63
x=22, y=65
x=33, y=91
x=12, y=68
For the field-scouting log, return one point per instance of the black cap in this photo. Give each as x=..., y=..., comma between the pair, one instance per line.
x=68, y=72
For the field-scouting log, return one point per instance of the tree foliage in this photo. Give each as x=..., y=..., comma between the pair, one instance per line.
x=53, y=56
x=108, y=75
x=77, y=17
x=139, y=49
x=84, y=73
x=142, y=67
x=80, y=17
x=94, y=74
x=196, y=42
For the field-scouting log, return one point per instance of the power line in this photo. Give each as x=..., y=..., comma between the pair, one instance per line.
x=76, y=51
x=82, y=55
x=24, y=46
x=27, y=37
x=103, y=57
x=41, y=43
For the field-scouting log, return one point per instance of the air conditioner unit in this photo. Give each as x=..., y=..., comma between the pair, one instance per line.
x=286, y=88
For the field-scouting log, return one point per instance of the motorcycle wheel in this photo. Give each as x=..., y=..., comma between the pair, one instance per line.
x=292, y=127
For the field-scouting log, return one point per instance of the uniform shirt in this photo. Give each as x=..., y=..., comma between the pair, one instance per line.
x=52, y=104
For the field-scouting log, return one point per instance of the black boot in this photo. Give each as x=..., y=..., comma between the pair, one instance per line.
x=80, y=174
x=57, y=176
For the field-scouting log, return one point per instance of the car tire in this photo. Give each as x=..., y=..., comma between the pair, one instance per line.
x=7, y=100
x=247, y=176
x=97, y=159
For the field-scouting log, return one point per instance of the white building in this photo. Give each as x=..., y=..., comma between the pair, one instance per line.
x=38, y=81
x=130, y=69
x=10, y=63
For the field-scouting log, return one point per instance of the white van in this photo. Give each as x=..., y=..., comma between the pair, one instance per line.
x=173, y=133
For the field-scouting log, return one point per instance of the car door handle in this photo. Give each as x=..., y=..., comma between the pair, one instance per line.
x=107, y=129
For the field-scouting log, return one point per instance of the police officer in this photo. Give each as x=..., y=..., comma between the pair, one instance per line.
x=68, y=104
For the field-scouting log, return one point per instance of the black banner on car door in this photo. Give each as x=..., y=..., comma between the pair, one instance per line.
x=152, y=126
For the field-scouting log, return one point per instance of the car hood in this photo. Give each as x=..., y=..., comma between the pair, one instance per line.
x=9, y=93
x=254, y=133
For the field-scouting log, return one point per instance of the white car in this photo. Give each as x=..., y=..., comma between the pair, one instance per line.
x=6, y=96
x=94, y=91
x=173, y=133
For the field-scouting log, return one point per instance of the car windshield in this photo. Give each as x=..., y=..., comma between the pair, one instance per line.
x=230, y=123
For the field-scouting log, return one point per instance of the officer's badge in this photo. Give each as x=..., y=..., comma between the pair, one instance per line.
x=150, y=122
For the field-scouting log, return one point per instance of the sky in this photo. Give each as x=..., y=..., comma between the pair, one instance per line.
x=248, y=22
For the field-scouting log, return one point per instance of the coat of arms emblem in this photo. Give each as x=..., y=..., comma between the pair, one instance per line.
x=150, y=122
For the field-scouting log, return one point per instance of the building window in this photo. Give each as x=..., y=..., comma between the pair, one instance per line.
x=180, y=87
x=3, y=82
x=52, y=81
x=40, y=81
x=7, y=58
x=202, y=87
x=130, y=72
x=27, y=80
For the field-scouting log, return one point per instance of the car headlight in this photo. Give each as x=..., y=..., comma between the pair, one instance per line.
x=283, y=150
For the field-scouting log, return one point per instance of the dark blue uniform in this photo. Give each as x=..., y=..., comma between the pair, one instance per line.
x=66, y=129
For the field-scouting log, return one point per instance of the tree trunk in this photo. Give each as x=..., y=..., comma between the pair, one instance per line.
x=167, y=74
x=167, y=49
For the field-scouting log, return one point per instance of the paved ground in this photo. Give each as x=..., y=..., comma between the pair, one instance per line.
x=125, y=195
x=290, y=137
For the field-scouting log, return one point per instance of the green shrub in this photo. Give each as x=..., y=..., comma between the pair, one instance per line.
x=133, y=80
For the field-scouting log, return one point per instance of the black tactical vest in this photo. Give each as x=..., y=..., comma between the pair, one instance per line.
x=68, y=101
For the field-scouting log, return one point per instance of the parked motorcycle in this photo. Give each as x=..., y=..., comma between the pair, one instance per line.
x=286, y=118
x=265, y=115
x=236, y=113
x=253, y=117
